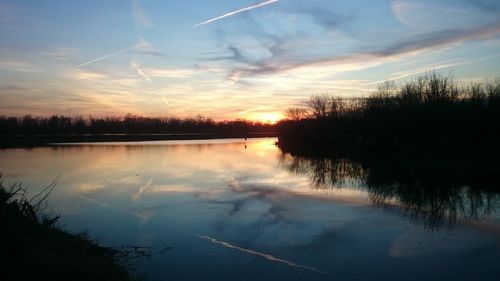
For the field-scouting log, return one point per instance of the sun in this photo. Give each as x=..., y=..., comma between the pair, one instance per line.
x=269, y=117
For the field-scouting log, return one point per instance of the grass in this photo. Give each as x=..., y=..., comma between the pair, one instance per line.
x=32, y=247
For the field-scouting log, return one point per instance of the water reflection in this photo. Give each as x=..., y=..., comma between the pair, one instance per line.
x=260, y=211
x=433, y=201
x=260, y=254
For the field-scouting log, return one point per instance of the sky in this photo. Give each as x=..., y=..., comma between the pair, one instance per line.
x=229, y=59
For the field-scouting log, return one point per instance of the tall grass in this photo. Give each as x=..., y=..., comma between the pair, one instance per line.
x=32, y=247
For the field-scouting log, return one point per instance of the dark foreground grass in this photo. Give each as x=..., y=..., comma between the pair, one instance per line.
x=33, y=248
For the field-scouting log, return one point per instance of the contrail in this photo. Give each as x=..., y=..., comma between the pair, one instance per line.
x=265, y=3
x=141, y=73
x=266, y=256
x=114, y=54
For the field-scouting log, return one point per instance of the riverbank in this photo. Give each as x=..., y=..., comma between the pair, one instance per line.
x=428, y=127
x=33, y=248
x=9, y=141
x=462, y=164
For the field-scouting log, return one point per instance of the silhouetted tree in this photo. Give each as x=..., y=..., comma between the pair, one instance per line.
x=296, y=113
x=431, y=111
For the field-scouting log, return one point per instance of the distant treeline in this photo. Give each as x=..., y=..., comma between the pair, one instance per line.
x=430, y=114
x=129, y=124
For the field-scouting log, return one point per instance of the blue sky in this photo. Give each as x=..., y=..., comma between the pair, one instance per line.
x=160, y=58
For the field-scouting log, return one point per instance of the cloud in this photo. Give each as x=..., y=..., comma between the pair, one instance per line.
x=429, y=15
x=235, y=12
x=438, y=39
x=18, y=66
x=234, y=76
x=61, y=53
x=235, y=55
x=88, y=75
x=323, y=16
x=170, y=72
x=401, y=9
x=435, y=66
x=490, y=6
x=34, y=100
x=141, y=16
x=296, y=54
x=367, y=58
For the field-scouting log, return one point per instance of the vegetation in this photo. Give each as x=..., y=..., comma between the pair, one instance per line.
x=33, y=248
x=33, y=131
x=428, y=121
x=428, y=145
x=129, y=124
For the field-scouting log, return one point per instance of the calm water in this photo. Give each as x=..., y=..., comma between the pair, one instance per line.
x=240, y=210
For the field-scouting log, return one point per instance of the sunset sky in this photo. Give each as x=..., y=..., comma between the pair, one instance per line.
x=229, y=59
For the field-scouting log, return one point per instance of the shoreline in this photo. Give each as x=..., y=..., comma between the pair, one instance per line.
x=20, y=141
x=35, y=247
x=467, y=163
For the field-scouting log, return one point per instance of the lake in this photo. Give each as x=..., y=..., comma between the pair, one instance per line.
x=238, y=209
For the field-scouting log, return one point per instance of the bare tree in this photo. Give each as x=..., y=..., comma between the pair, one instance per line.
x=319, y=105
x=296, y=113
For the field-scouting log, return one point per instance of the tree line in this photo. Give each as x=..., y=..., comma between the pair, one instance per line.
x=128, y=124
x=429, y=109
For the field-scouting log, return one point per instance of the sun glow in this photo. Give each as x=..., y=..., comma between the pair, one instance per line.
x=268, y=117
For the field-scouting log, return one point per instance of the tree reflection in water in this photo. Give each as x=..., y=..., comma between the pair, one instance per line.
x=435, y=201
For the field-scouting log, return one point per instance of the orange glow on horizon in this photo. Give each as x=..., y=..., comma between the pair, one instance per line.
x=267, y=117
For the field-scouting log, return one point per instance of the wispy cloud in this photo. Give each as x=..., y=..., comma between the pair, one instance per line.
x=170, y=72
x=61, y=53
x=235, y=55
x=431, y=15
x=141, y=16
x=322, y=16
x=88, y=75
x=435, y=66
x=490, y=6
x=235, y=12
x=260, y=254
x=19, y=66
x=417, y=44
